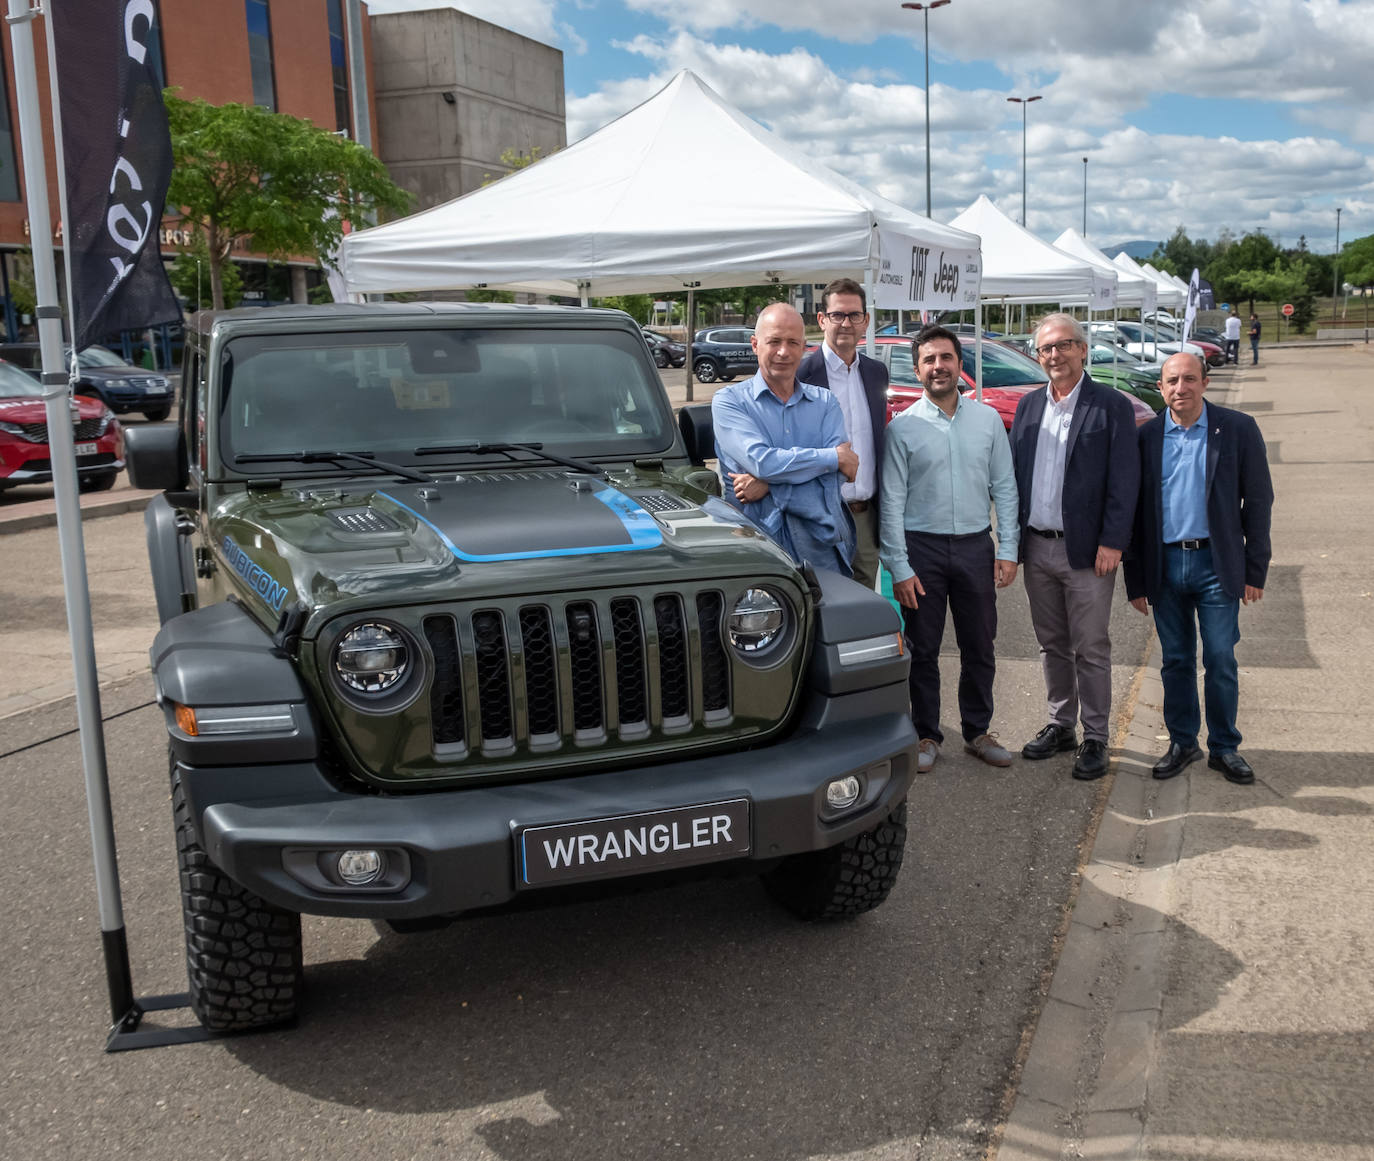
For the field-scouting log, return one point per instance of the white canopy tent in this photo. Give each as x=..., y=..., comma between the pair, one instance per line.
x=1132, y=290
x=1166, y=294
x=1018, y=267
x=610, y=215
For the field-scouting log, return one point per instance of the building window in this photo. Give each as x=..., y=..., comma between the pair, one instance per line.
x=338, y=61
x=260, y=53
x=9, y=165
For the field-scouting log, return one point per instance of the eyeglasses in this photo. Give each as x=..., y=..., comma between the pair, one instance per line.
x=839, y=317
x=1063, y=346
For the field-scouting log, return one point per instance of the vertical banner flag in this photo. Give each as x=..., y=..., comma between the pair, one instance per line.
x=1190, y=313
x=117, y=155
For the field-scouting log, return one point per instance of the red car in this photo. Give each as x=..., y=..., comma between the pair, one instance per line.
x=24, y=453
x=1007, y=376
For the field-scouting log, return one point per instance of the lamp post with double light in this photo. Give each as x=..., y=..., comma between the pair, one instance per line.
x=1023, y=102
x=925, y=10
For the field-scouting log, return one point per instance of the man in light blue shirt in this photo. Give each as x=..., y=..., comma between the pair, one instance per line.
x=947, y=461
x=782, y=448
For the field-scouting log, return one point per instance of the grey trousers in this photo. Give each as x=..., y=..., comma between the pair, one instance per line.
x=1071, y=610
x=865, y=562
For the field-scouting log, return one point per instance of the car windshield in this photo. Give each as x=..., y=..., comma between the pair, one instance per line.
x=577, y=392
x=100, y=357
x=15, y=383
x=1002, y=367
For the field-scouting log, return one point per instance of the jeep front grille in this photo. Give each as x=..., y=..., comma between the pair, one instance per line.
x=537, y=676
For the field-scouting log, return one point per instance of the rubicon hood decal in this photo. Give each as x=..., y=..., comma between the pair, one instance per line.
x=528, y=519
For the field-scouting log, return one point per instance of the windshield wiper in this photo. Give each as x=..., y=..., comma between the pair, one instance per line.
x=362, y=459
x=508, y=450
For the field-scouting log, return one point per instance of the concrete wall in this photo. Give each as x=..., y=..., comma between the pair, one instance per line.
x=507, y=93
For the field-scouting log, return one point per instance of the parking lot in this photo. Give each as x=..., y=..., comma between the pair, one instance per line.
x=699, y=1021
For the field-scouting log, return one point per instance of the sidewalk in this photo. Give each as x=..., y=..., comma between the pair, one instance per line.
x=1213, y=998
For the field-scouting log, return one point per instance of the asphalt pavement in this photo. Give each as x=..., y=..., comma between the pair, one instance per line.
x=1187, y=979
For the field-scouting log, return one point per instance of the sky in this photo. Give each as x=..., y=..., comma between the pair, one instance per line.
x=1213, y=115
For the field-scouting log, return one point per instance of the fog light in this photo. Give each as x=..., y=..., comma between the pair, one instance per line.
x=359, y=868
x=842, y=792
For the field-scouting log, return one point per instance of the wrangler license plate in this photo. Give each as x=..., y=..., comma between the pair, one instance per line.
x=627, y=844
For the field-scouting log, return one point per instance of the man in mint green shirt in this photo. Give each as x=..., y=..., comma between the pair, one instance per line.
x=947, y=464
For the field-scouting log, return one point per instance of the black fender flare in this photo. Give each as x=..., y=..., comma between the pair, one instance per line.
x=170, y=558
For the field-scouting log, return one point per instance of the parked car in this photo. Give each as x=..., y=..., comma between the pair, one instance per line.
x=1121, y=370
x=666, y=351
x=1007, y=376
x=25, y=456
x=1214, y=353
x=1142, y=342
x=105, y=376
x=722, y=353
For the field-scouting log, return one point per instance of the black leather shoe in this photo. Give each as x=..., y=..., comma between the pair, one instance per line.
x=1092, y=760
x=1233, y=766
x=1175, y=760
x=1051, y=740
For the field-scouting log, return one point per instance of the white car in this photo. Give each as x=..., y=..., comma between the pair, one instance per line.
x=1141, y=341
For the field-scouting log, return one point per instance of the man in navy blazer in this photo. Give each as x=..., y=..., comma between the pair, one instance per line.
x=1201, y=547
x=1077, y=472
x=860, y=385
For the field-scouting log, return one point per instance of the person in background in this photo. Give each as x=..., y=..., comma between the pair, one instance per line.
x=860, y=385
x=1254, y=337
x=1232, y=333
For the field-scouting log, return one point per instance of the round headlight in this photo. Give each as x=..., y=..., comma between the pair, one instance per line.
x=371, y=658
x=756, y=621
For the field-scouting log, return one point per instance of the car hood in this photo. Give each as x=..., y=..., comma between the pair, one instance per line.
x=25, y=409
x=482, y=534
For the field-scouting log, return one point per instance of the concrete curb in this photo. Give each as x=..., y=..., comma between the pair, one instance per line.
x=43, y=513
x=1108, y=988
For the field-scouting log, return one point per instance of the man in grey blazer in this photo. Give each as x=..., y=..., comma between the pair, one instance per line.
x=859, y=384
x=1077, y=471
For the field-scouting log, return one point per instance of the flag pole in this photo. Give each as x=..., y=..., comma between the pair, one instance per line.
x=56, y=391
x=125, y=1011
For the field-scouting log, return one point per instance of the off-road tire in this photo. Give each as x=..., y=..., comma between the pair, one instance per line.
x=705, y=371
x=844, y=880
x=243, y=955
x=158, y=414
x=660, y=358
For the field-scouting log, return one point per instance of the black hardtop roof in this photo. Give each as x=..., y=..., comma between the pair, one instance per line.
x=338, y=315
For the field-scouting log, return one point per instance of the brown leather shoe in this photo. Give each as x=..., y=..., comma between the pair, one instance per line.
x=986, y=747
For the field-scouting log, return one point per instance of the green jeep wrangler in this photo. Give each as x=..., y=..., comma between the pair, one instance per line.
x=453, y=614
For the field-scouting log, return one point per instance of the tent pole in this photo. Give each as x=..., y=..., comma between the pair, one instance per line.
x=691, y=322
x=56, y=394
x=978, y=349
x=868, y=299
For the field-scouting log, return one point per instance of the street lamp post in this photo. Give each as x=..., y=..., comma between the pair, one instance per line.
x=1085, y=197
x=925, y=10
x=1336, y=269
x=1023, y=102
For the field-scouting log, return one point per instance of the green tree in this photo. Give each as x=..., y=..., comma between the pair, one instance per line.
x=1255, y=253
x=23, y=294
x=189, y=274
x=1180, y=254
x=1357, y=261
x=637, y=306
x=513, y=160
x=242, y=172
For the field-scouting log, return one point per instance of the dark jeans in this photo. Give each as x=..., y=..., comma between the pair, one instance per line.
x=1254, y=350
x=1192, y=601
x=957, y=574
x=1233, y=350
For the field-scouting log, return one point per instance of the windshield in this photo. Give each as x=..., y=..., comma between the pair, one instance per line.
x=100, y=357
x=15, y=383
x=1002, y=367
x=579, y=392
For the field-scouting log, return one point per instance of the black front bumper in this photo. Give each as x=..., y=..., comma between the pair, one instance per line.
x=268, y=827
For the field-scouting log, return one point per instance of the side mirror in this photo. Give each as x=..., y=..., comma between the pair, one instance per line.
x=155, y=454
x=694, y=421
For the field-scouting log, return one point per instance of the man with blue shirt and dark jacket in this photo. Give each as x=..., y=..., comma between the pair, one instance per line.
x=783, y=450
x=947, y=464
x=1077, y=473
x=1201, y=547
